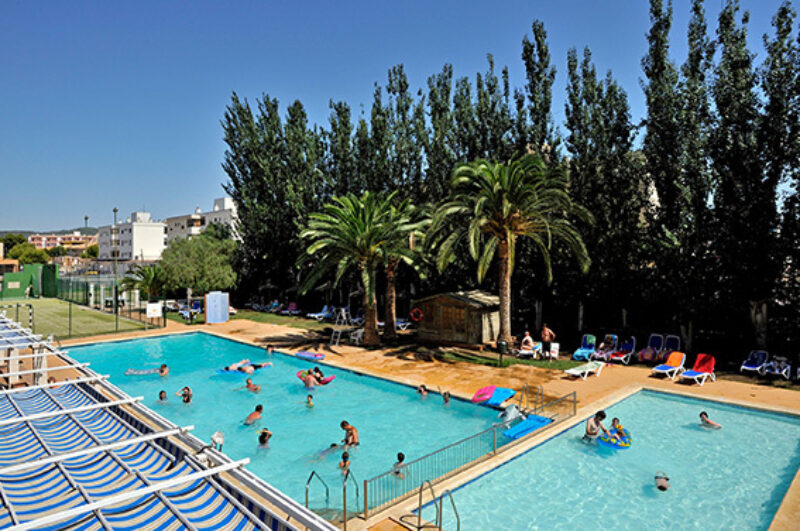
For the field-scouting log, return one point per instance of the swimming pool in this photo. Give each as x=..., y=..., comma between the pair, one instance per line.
x=390, y=417
x=733, y=478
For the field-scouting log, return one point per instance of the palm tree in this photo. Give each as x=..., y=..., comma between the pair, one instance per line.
x=349, y=234
x=404, y=224
x=149, y=279
x=494, y=204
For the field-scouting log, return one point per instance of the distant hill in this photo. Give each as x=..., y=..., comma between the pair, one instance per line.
x=89, y=231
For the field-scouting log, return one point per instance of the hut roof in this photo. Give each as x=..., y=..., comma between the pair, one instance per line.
x=475, y=298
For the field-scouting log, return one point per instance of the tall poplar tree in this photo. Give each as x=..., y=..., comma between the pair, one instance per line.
x=540, y=75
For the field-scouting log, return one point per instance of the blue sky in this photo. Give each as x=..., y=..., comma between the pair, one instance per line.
x=106, y=104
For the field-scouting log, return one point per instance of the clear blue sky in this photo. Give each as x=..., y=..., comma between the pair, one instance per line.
x=107, y=104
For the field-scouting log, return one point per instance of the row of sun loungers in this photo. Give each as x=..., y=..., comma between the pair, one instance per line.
x=673, y=367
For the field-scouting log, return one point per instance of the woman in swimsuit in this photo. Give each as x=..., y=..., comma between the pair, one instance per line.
x=185, y=394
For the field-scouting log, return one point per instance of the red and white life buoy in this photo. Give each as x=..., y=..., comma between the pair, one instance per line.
x=416, y=315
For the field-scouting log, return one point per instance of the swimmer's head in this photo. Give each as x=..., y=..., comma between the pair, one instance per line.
x=333, y=445
x=345, y=456
x=344, y=424
x=162, y=395
x=615, y=421
x=259, y=408
x=600, y=415
x=703, y=415
x=310, y=397
x=401, y=457
x=163, y=365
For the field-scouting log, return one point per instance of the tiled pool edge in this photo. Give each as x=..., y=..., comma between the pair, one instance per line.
x=785, y=518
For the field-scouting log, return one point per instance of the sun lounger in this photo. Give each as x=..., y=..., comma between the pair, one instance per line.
x=671, y=344
x=755, y=362
x=533, y=422
x=703, y=368
x=672, y=366
x=291, y=309
x=587, y=348
x=319, y=316
x=779, y=366
x=625, y=353
x=606, y=348
x=653, y=349
x=586, y=369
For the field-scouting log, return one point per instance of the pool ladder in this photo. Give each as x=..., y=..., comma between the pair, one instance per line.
x=438, y=505
x=347, y=476
x=524, y=398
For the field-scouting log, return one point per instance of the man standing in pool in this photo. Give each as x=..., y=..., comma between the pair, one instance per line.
x=350, y=434
x=255, y=415
x=594, y=425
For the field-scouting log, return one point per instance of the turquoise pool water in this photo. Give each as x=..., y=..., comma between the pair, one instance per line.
x=390, y=417
x=733, y=478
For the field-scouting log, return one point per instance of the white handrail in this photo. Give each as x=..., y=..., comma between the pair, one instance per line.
x=127, y=496
x=43, y=369
x=54, y=384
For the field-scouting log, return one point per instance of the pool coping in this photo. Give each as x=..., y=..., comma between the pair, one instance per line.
x=785, y=517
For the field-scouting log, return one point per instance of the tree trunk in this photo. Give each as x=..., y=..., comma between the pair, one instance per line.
x=505, y=293
x=390, y=317
x=371, y=338
x=758, y=316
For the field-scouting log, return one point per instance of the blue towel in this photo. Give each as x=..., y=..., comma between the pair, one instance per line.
x=500, y=395
x=533, y=422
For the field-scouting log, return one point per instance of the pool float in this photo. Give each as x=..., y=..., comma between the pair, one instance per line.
x=483, y=394
x=500, y=395
x=324, y=381
x=140, y=372
x=618, y=444
x=313, y=356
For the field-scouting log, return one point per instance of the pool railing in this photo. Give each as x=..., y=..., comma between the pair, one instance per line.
x=392, y=486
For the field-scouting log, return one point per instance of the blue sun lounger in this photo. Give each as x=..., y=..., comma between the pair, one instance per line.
x=755, y=362
x=587, y=348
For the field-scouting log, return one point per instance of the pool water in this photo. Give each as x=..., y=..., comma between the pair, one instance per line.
x=390, y=417
x=732, y=478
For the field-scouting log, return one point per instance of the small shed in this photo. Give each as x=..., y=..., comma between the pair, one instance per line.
x=459, y=317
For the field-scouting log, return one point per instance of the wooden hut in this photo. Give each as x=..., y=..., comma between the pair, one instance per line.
x=459, y=317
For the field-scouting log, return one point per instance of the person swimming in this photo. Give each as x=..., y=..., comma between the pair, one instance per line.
x=707, y=422
x=185, y=394
x=344, y=464
x=422, y=390
x=246, y=366
x=255, y=416
x=250, y=386
x=309, y=401
x=263, y=437
x=397, y=468
x=162, y=396
x=163, y=370
x=662, y=481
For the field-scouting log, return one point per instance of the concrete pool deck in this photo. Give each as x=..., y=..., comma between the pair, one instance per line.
x=463, y=379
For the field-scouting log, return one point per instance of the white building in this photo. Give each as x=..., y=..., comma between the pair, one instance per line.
x=186, y=226
x=138, y=238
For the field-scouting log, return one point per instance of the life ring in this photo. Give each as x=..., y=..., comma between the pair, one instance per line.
x=416, y=315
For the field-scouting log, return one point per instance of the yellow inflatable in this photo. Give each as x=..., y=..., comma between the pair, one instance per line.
x=623, y=443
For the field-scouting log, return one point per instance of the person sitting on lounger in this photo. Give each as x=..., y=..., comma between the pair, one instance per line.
x=662, y=481
x=707, y=422
x=527, y=342
x=594, y=425
x=163, y=370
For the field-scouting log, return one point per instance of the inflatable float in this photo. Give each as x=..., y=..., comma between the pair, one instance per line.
x=500, y=395
x=623, y=443
x=483, y=394
x=313, y=356
x=324, y=381
x=140, y=372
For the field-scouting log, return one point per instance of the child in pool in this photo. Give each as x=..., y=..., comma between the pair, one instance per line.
x=344, y=464
x=309, y=401
x=616, y=428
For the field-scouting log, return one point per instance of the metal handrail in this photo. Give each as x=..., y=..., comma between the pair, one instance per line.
x=419, y=505
x=440, y=514
x=347, y=475
x=308, y=484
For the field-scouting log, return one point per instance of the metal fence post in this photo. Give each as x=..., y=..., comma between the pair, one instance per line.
x=70, y=318
x=494, y=440
x=366, y=503
x=344, y=503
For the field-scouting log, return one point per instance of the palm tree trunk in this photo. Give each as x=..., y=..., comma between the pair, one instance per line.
x=389, y=328
x=371, y=338
x=505, y=293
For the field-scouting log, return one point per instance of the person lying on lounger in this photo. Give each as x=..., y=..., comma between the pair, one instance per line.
x=594, y=425
x=707, y=422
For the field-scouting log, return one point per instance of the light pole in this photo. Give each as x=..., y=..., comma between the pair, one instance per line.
x=85, y=222
x=114, y=291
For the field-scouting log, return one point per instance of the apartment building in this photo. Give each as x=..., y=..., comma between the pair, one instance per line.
x=138, y=238
x=189, y=225
x=72, y=242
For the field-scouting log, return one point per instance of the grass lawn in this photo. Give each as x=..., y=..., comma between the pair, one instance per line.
x=51, y=316
x=492, y=359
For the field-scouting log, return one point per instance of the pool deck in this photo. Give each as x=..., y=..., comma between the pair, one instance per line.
x=463, y=379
